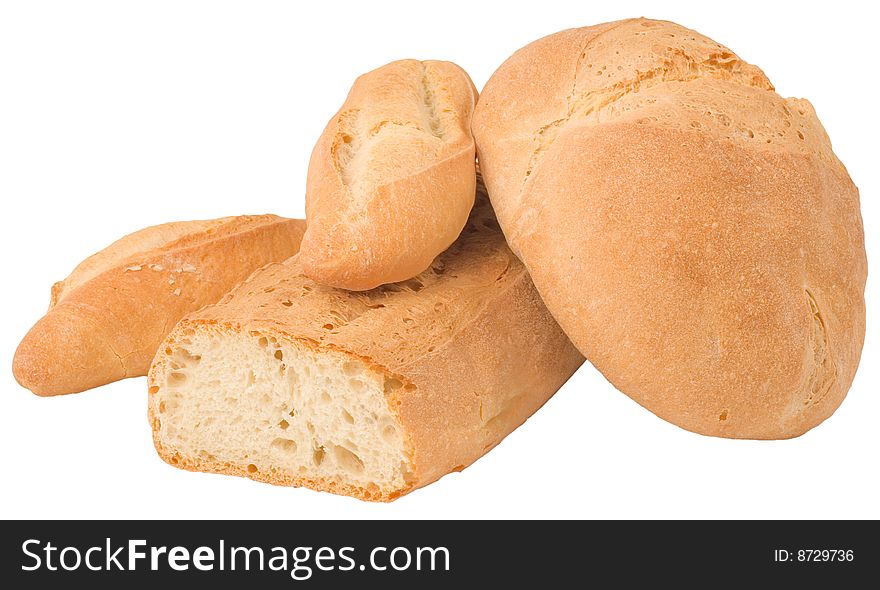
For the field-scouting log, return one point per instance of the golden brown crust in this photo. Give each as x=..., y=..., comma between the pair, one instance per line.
x=110, y=315
x=136, y=244
x=691, y=230
x=469, y=344
x=391, y=179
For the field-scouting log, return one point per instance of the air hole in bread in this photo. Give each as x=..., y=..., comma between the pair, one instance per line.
x=279, y=355
x=251, y=468
x=347, y=459
x=154, y=389
x=346, y=415
x=325, y=397
x=285, y=445
x=185, y=358
x=177, y=378
x=263, y=341
x=318, y=456
x=284, y=425
x=352, y=369
x=723, y=416
x=287, y=303
x=328, y=326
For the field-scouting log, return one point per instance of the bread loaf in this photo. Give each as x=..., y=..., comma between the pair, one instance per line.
x=391, y=179
x=107, y=318
x=370, y=394
x=691, y=230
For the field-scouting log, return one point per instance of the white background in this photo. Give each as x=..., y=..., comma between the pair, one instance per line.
x=119, y=115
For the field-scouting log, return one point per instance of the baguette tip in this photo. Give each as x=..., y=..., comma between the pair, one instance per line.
x=61, y=355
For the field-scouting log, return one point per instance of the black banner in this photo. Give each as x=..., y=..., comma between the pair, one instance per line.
x=397, y=554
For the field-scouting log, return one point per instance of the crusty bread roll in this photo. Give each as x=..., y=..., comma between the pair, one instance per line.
x=391, y=180
x=370, y=394
x=107, y=318
x=691, y=230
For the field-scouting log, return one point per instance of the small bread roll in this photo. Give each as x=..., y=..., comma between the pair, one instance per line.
x=391, y=180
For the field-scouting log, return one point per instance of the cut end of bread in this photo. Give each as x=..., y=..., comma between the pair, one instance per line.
x=267, y=407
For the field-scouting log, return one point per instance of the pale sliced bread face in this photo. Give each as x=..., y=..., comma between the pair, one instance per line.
x=278, y=411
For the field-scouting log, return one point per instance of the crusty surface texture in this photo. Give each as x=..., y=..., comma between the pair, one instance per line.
x=691, y=230
x=391, y=179
x=461, y=355
x=107, y=318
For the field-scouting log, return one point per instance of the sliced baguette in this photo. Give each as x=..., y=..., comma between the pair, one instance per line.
x=370, y=394
x=107, y=318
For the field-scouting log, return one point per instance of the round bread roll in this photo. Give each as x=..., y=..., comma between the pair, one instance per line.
x=691, y=230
